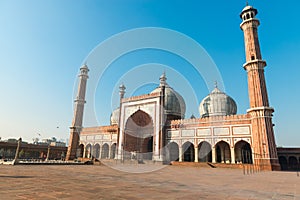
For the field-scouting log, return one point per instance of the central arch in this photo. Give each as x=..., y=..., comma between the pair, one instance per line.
x=138, y=137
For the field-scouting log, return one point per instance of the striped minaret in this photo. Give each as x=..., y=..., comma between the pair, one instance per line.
x=78, y=114
x=263, y=141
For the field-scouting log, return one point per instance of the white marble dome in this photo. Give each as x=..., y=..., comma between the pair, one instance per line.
x=114, y=117
x=174, y=102
x=217, y=103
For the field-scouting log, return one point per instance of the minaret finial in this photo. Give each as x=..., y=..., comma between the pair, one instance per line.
x=247, y=3
x=216, y=84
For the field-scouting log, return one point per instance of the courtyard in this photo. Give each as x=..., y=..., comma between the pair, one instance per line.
x=170, y=182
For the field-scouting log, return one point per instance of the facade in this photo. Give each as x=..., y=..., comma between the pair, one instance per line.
x=152, y=126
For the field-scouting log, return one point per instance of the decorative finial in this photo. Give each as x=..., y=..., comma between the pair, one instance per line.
x=247, y=3
x=122, y=89
x=216, y=84
x=163, y=79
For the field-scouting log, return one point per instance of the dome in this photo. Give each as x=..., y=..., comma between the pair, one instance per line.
x=174, y=102
x=114, y=117
x=217, y=103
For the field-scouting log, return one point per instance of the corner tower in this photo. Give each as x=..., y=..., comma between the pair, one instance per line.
x=78, y=114
x=263, y=141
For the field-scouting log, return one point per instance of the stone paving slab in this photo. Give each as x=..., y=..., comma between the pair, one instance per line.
x=171, y=182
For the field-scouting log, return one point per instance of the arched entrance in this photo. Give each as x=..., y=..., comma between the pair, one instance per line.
x=105, y=151
x=138, y=139
x=88, y=151
x=283, y=163
x=96, y=151
x=80, y=151
x=113, y=150
x=293, y=163
x=204, y=149
x=173, y=151
x=243, y=152
x=189, y=152
x=223, y=152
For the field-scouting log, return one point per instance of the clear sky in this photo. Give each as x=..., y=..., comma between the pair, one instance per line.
x=43, y=44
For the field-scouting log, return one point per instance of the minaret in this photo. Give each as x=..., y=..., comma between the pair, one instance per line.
x=78, y=114
x=263, y=141
x=120, y=147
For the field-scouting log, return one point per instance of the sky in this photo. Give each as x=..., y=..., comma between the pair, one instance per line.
x=44, y=43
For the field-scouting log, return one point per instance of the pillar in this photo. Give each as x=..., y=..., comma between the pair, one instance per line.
x=232, y=153
x=213, y=154
x=84, y=151
x=196, y=154
x=180, y=154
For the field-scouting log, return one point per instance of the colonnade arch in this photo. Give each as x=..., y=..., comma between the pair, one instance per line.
x=105, y=151
x=113, y=150
x=188, y=152
x=96, y=151
x=283, y=163
x=88, y=151
x=204, y=152
x=243, y=152
x=173, y=148
x=223, y=154
x=293, y=163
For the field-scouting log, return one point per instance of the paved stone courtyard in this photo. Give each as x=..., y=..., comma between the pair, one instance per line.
x=171, y=182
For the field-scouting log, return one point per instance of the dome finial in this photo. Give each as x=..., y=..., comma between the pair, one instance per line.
x=247, y=3
x=163, y=79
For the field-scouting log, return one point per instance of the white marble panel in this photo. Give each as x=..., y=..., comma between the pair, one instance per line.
x=188, y=133
x=221, y=131
x=241, y=130
x=204, y=132
x=173, y=133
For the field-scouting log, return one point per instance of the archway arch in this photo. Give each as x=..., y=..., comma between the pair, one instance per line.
x=283, y=163
x=204, y=149
x=223, y=154
x=96, y=151
x=138, y=137
x=189, y=152
x=243, y=152
x=80, y=151
x=88, y=151
x=113, y=150
x=173, y=151
x=105, y=151
x=293, y=163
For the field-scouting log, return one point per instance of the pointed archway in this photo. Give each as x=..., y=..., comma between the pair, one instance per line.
x=189, y=152
x=138, y=137
x=173, y=151
x=113, y=150
x=96, y=151
x=88, y=151
x=105, y=151
x=243, y=152
x=223, y=154
x=205, y=153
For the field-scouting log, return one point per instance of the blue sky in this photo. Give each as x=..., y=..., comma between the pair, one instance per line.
x=43, y=44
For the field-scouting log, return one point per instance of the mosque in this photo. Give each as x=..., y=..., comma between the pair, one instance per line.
x=152, y=127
